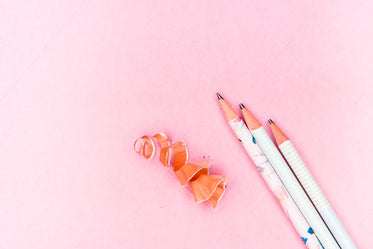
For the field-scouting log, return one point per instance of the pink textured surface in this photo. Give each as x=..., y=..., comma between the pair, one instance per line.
x=81, y=80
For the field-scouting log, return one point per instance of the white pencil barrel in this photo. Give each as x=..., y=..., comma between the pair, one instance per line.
x=294, y=188
x=314, y=192
x=304, y=176
x=276, y=186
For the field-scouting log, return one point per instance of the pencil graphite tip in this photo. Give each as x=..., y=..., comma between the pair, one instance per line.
x=270, y=121
x=242, y=106
x=219, y=96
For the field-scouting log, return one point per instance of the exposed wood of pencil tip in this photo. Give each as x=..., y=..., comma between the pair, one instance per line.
x=229, y=112
x=280, y=137
x=251, y=122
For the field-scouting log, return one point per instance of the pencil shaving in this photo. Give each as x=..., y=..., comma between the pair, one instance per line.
x=205, y=187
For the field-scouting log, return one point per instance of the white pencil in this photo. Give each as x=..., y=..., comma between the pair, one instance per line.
x=312, y=188
x=270, y=177
x=290, y=181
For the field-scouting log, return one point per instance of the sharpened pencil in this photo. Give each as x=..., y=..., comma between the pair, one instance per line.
x=270, y=177
x=290, y=181
x=312, y=188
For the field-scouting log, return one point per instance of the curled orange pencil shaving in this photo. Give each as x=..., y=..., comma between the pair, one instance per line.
x=205, y=187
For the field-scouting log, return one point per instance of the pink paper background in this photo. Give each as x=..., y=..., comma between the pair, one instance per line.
x=81, y=80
